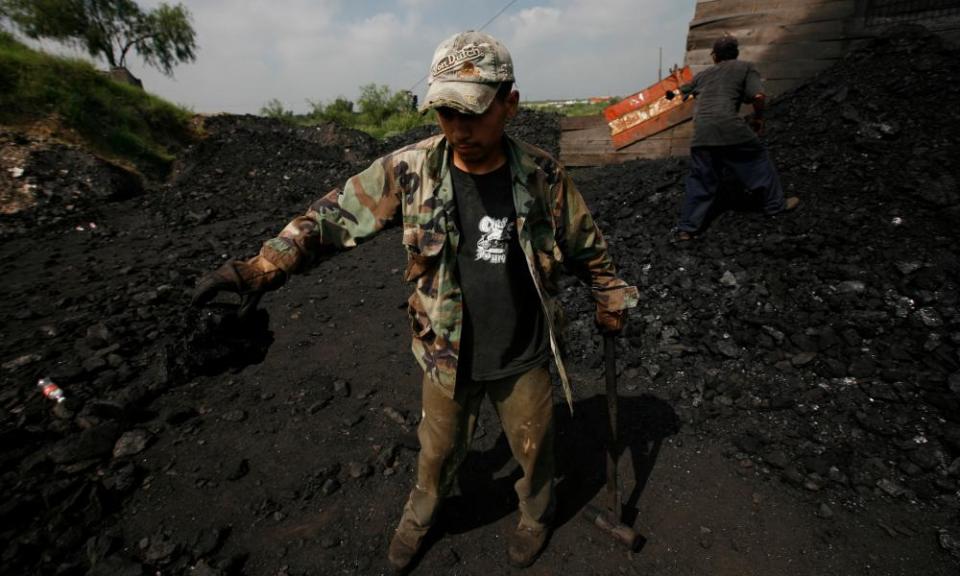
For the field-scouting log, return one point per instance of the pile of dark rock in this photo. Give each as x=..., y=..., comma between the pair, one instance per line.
x=46, y=183
x=823, y=342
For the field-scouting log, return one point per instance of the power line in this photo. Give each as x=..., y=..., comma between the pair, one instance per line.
x=485, y=24
x=497, y=15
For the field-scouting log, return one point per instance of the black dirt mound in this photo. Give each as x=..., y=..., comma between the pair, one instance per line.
x=251, y=164
x=542, y=129
x=45, y=183
x=823, y=342
x=818, y=349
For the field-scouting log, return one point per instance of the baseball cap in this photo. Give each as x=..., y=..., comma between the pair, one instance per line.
x=466, y=71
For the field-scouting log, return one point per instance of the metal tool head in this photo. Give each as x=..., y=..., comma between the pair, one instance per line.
x=621, y=533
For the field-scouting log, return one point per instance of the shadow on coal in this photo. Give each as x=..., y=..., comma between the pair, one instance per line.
x=215, y=340
x=581, y=441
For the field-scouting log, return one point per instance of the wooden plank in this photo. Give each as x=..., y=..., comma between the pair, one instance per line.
x=654, y=125
x=681, y=130
x=680, y=146
x=833, y=12
x=649, y=145
x=672, y=142
x=642, y=100
x=715, y=9
x=680, y=149
x=589, y=133
x=595, y=144
x=600, y=135
x=793, y=69
x=771, y=34
x=582, y=122
x=780, y=86
x=649, y=148
x=592, y=159
x=784, y=69
x=647, y=112
x=830, y=49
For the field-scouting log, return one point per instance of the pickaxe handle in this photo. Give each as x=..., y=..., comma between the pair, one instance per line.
x=613, y=447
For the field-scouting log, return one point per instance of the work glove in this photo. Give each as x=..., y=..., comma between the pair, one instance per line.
x=610, y=321
x=249, y=279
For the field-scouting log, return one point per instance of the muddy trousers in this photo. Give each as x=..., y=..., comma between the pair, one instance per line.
x=524, y=404
x=749, y=162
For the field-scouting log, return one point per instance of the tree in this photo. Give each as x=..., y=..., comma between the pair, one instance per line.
x=378, y=103
x=274, y=109
x=110, y=29
x=339, y=111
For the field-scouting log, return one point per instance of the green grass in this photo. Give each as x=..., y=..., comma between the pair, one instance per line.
x=118, y=121
x=391, y=126
x=396, y=124
x=575, y=109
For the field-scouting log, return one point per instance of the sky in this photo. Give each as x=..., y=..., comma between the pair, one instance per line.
x=296, y=51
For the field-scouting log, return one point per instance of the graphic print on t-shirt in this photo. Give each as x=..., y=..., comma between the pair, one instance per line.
x=494, y=236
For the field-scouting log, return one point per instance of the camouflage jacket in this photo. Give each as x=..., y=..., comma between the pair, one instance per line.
x=554, y=226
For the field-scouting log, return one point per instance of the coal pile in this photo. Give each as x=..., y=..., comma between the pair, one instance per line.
x=46, y=183
x=824, y=342
x=821, y=346
x=537, y=127
x=250, y=164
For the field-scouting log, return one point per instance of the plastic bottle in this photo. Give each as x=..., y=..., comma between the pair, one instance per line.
x=51, y=390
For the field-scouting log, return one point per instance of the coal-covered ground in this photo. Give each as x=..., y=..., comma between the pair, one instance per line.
x=790, y=384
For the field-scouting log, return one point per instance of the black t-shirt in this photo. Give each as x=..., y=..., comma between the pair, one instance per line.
x=504, y=332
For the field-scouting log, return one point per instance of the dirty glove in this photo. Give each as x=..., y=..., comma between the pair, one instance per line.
x=250, y=279
x=610, y=321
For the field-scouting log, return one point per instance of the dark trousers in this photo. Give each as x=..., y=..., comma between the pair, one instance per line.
x=750, y=164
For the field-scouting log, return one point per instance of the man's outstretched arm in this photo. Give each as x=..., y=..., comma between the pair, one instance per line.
x=339, y=220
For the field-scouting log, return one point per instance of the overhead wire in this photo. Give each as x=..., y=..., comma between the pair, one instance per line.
x=497, y=15
x=485, y=24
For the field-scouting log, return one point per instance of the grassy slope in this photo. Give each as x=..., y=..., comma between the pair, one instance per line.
x=117, y=120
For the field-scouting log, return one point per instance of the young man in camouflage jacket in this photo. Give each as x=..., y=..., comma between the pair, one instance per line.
x=488, y=222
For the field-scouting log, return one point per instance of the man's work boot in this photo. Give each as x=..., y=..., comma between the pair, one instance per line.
x=791, y=203
x=403, y=547
x=525, y=545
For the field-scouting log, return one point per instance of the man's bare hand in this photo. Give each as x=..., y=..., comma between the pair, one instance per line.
x=611, y=321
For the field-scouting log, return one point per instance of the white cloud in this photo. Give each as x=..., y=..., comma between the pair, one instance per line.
x=579, y=48
x=295, y=50
x=418, y=4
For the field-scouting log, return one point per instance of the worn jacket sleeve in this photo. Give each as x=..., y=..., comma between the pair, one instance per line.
x=585, y=251
x=339, y=220
x=752, y=84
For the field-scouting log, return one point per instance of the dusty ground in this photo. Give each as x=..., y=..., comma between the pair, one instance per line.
x=790, y=385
